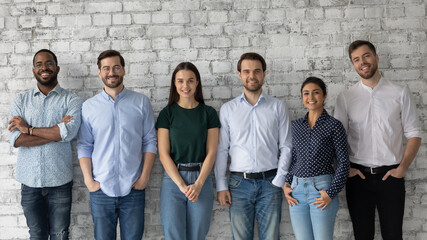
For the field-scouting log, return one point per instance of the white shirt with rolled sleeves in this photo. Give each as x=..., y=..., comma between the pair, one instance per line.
x=258, y=138
x=376, y=121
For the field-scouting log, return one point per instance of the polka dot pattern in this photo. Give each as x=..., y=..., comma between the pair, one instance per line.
x=314, y=151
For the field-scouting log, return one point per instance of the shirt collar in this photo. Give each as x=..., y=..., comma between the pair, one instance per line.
x=262, y=97
x=321, y=118
x=379, y=84
x=56, y=89
x=108, y=98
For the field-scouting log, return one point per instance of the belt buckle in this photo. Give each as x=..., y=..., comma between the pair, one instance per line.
x=372, y=171
x=244, y=175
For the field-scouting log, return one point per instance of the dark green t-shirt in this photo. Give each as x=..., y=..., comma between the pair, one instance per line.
x=188, y=131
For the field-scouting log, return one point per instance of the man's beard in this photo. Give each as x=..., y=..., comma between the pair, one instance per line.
x=49, y=82
x=113, y=85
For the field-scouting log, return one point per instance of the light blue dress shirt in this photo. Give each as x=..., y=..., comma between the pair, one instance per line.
x=257, y=138
x=47, y=165
x=115, y=134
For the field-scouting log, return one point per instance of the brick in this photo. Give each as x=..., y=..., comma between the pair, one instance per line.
x=143, y=18
x=47, y=21
x=80, y=46
x=218, y=16
x=221, y=92
x=161, y=43
x=333, y=13
x=27, y=21
x=221, y=42
x=415, y=11
x=65, y=8
x=102, y=19
x=180, y=43
x=255, y=16
x=180, y=17
x=6, y=47
x=125, y=32
x=141, y=6
x=162, y=31
x=315, y=13
x=243, y=28
x=141, y=44
x=203, y=30
x=402, y=24
x=221, y=67
x=178, y=5
x=159, y=68
x=160, y=17
x=60, y=46
x=201, y=42
x=120, y=45
x=374, y=12
x=1, y=22
x=354, y=12
x=243, y=4
x=216, y=4
x=86, y=33
x=103, y=7
x=122, y=19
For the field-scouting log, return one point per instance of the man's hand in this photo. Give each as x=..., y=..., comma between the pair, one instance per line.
x=66, y=119
x=93, y=185
x=288, y=191
x=224, y=198
x=354, y=172
x=141, y=183
x=323, y=201
x=19, y=123
x=398, y=172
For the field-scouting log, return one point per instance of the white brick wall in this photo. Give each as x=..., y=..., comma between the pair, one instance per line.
x=298, y=38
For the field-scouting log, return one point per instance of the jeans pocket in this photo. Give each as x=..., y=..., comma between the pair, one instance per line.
x=234, y=181
x=322, y=183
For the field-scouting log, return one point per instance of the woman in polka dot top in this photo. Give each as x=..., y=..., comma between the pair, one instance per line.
x=312, y=184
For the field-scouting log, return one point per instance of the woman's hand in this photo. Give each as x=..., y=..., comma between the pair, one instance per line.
x=193, y=191
x=323, y=201
x=288, y=191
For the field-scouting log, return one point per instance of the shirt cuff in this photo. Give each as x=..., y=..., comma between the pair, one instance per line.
x=221, y=185
x=150, y=148
x=279, y=181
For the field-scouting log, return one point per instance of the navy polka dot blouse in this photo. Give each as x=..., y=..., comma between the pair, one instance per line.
x=315, y=150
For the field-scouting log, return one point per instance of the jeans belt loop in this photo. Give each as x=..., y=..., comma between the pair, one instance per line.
x=244, y=175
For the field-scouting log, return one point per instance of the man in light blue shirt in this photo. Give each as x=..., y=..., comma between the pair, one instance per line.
x=43, y=121
x=256, y=134
x=116, y=147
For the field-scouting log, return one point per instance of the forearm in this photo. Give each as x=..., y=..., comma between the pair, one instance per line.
x=25, y=140
x=51, y=133
x=86, y=166
x=206, y=168
x=171, y=170
x=148, y=164
x=411, y=151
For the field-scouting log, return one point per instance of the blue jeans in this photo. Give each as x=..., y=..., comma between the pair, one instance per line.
x=309, y=222
x=252, y=199
x=47, y=211
x=181, y=218
x=129, y=210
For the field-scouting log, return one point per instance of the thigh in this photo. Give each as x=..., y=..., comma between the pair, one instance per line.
x=35, y=209
x=300, y=213
x=199, y=213
x=268, y=209
x=173, y=208
x=242, y=208
x=131, y=215
x=104, y=215
x=391, y=205
x=361, y=206
x=59, y=201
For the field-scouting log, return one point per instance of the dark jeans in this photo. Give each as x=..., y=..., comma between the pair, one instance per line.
x=364, y=195
x=47, y=211
x=128, y=210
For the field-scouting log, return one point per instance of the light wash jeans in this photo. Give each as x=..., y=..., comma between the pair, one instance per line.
x=181, y=218
x=47, y=211
x=129, y=210
x=252, y=199
x=309, y=222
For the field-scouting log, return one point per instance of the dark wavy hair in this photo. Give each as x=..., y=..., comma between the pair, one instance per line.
x=251, y=56
x=173, y=94
x=358, y=43
x=319, y=82
x=110, y=53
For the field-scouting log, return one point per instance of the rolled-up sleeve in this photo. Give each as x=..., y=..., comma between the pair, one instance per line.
x=149, y=140
x=85, y=138
x=69, y=130
x=411, y=127
x=15, y=110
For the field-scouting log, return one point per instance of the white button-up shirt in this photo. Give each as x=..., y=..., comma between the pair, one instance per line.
x=376, y=121
x=257, y=138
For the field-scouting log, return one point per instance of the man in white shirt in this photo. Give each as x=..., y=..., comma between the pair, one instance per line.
x=377, y=114
x=255, y=132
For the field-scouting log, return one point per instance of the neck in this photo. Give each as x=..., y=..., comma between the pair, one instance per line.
x=373, y=81
x=113, y=92
x=252, y=97
x=187, y=103
x=46, y=89
x=313, y=115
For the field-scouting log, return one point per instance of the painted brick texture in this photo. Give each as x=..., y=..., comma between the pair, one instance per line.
x=298, y=38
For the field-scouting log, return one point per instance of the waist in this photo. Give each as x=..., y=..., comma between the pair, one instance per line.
x=258, y=175
x=374, y=170
x=190, y=167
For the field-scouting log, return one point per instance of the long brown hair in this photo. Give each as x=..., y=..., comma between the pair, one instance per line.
x=173, y=94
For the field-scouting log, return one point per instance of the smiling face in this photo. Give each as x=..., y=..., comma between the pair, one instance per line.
x=365, y=62
x=313, y=97
x=111, y=72
x=186, y=84
x=45, y=69
x=252, y=75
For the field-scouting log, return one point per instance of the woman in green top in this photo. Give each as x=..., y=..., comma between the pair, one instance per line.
x=188, y=140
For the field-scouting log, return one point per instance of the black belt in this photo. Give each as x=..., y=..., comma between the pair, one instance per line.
x=189, y=168
x=377, y=170
x=258, y=175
